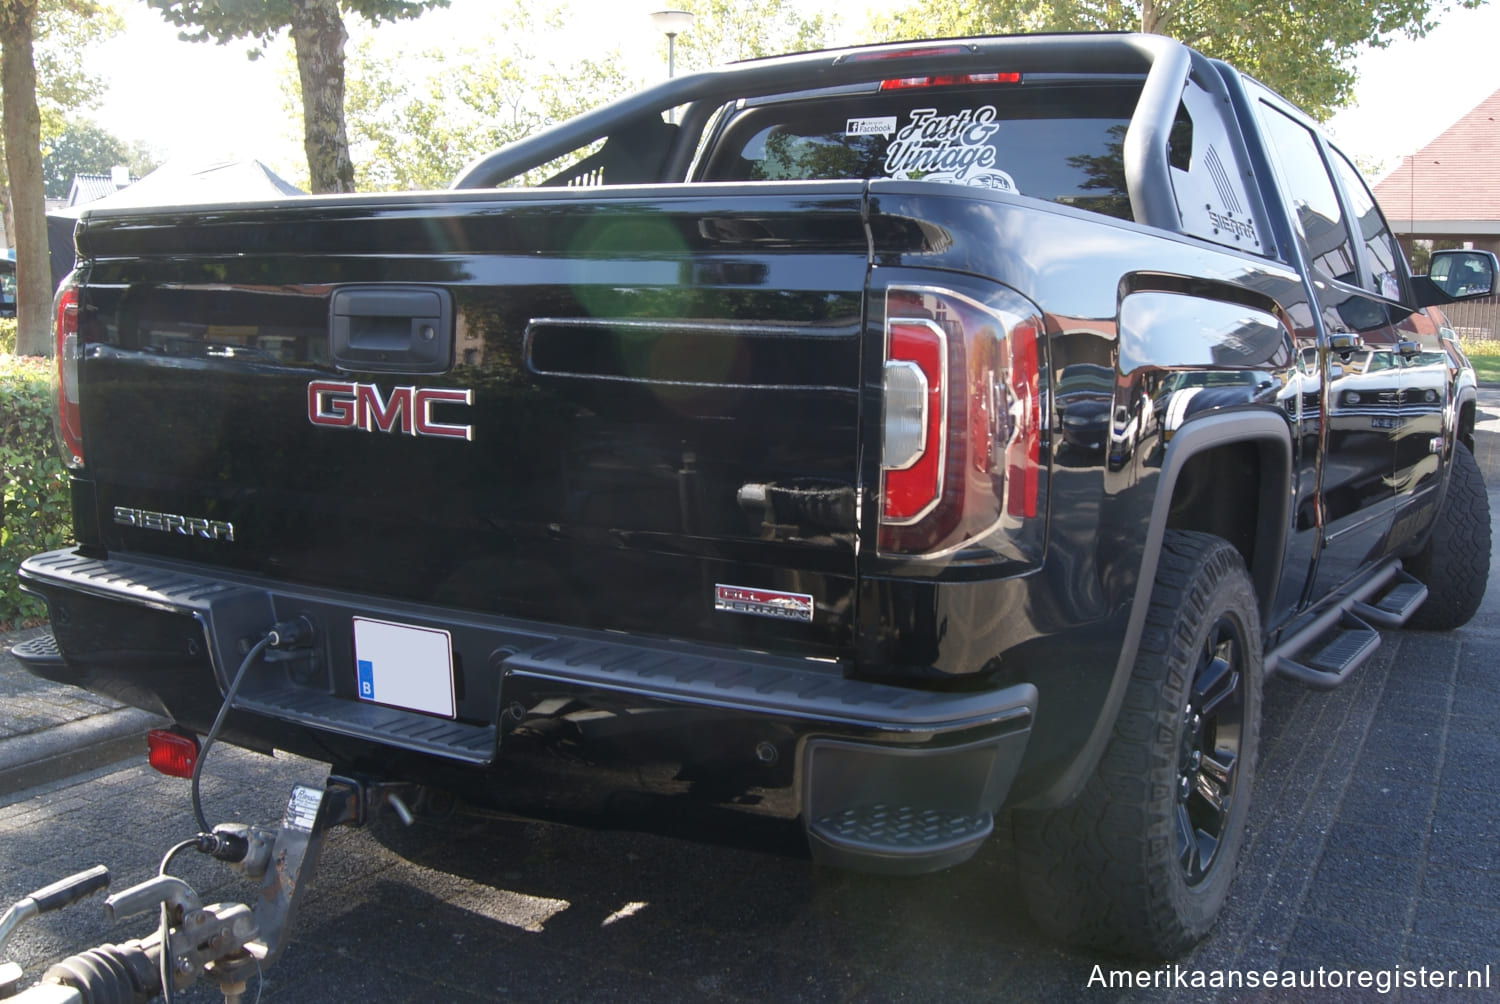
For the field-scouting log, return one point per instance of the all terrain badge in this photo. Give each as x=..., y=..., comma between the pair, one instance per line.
x=764, y=603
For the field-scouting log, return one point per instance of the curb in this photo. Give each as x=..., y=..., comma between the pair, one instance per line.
x=53, y=754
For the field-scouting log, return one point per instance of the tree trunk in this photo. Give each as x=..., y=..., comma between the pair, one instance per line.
x=23, y=161
x=7, y=218
x=318, y=31
x=1151, y=18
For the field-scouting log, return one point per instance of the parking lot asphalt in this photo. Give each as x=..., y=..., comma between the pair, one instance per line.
x=50, y=731
x=1374, y=846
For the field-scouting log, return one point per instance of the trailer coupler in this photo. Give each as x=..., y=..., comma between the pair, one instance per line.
x=221, y=942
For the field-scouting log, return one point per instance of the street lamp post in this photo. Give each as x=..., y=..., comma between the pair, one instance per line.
x=672, y=23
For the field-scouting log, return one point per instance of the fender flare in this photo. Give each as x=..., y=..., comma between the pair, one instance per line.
x=1265, y=428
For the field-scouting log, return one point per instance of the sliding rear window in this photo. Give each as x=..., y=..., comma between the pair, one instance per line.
x=1059, y=141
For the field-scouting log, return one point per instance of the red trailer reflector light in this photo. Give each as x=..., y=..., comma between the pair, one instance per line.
x=171, y=753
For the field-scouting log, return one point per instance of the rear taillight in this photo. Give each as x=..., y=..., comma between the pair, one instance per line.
x=961, y=446
x=66, y=350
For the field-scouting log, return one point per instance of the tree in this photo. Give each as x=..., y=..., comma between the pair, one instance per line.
x=86, y=148
x=1305, y=51
x=19, y=22
x=317, y=30
x=724, y=31
x=62, y=31
x=417, y=118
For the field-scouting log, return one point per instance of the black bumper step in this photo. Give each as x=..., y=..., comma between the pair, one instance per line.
x=39, y=654
x=901, y=832
x=473, y=744
x=744, y=681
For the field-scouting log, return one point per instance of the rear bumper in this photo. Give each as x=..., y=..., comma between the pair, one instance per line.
x=882, y=778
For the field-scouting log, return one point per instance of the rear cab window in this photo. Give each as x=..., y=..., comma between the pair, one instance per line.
x=1057, y=137
x=1056, y=140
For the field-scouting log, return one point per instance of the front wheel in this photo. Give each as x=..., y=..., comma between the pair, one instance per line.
x=1455, y=563
x=1142, y=860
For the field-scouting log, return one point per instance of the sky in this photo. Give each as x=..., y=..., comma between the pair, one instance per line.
x=1411, y=92
x=220, y=104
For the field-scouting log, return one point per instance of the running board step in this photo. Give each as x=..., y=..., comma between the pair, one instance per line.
x=1394, y=606
x=1335, y=654
x=1325, y=652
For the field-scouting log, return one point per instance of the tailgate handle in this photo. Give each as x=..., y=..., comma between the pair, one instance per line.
x=391, y=329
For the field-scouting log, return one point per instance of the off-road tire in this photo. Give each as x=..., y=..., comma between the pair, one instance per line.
x=1455, y=563
x=1112, y=868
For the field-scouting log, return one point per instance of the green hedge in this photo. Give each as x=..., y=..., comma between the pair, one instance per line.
x=38, y=513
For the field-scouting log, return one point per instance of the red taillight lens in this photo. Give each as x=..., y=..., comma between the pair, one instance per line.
x=1023, y=454
x=66, y=350
x=909, y=83
x=171, y=753
x=915, y=419
x=961, y=445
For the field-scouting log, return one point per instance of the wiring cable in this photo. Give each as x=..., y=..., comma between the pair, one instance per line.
x=164, y=963
x=213, y=732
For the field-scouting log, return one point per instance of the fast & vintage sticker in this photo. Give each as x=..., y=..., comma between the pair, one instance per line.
x=955, y=148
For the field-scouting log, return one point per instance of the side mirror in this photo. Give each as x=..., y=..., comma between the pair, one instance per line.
x=1457, y=275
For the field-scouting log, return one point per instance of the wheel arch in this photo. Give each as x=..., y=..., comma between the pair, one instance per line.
x=1203, y=445
x=1467, y=409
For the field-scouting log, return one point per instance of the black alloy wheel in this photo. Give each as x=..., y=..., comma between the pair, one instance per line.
x=1141, y=860
x=1208, y=762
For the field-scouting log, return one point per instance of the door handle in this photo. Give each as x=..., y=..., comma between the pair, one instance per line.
x=1345, y=341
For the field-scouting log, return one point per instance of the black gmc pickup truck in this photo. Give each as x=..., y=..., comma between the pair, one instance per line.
x=850, y=444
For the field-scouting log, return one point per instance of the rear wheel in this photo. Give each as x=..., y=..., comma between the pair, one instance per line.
x=1142, y=860
x=1455, y=563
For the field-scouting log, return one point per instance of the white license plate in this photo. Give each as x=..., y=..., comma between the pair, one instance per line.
x=404, y=666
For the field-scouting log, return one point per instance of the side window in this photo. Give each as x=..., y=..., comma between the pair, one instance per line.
x=1305, y=181
x=1380, y=247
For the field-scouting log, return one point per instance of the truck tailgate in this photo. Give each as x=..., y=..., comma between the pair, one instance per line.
x=633, y=411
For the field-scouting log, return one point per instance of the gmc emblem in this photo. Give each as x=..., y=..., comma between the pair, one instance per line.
x=337, y=405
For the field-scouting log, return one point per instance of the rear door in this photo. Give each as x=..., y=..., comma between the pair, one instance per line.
x=586, y=407
x=1360, y=358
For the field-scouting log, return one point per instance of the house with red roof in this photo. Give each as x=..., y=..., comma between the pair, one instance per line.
x=1450, y=189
